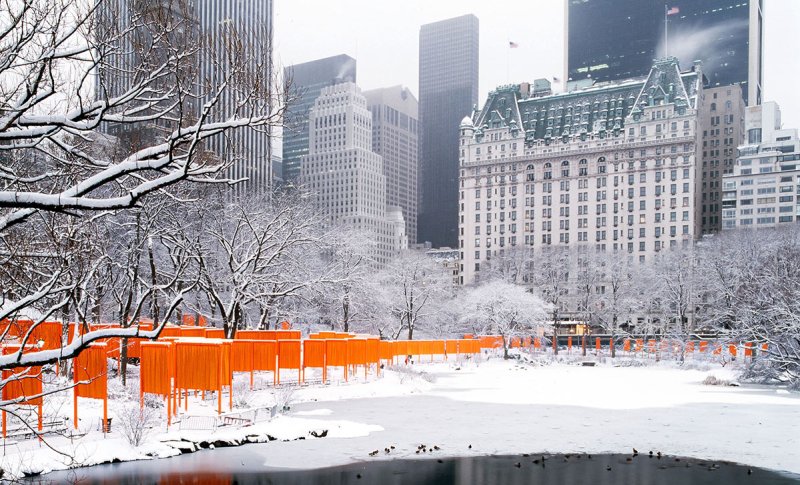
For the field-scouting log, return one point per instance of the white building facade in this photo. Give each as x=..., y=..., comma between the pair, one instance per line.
x=763, y=190
x=611, y=167
x=345, y=175
x=395, y=134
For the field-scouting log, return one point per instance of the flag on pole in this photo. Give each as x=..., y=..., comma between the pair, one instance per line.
x=512, y=45
x=673, y=11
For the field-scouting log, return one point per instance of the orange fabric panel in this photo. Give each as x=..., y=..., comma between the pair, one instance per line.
x=401, y=348
x=469, y=336
x=187, y=320
x=732, y=349
x=214, y=333
x=537, y=343
x=193, y=332
x=526, y=342
x=414, y=347
x=169, y=331
x=313, y=353
x=689, y=347
x=49, y=333
x=386, y=350
x=639, y=344
x=90, y=365
x=202, y=321
x=285, y=325
x=491, y=341
x=717, y=350
x=516, y=342
x=356, y=351
x=155, y=368
x=288, y=335
x=250, y=335
x=764, y=347
x=289, y=354
x=326, y=335
x=451, y=347
x=626, y=345
x=597, y=343
x=264, y=354
x=703, y=346
x=336, y=352
x=651, y=345
x=27, y=383
x=748, y=349
x=242, y=354
x=202, y=365
x=315, y=336
x=469, y=346
x=373, y=353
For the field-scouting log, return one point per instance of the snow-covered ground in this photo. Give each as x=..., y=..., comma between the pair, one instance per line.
x=495, y=406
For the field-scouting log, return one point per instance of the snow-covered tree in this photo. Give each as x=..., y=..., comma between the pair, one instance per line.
x=501, y=308
x=63, y=89
x=618, y=298
x=550, y=279
x=412, y=284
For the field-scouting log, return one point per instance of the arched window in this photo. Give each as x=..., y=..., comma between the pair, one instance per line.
x=583, y=169
x=565, y=168
x=548, y=174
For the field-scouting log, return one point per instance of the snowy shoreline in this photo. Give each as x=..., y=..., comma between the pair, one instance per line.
x=498, y=407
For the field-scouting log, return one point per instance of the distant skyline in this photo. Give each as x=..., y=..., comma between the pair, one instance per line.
x=384, y=36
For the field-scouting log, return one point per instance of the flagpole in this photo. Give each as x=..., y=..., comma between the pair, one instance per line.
x=508, y=62
x=666, y=38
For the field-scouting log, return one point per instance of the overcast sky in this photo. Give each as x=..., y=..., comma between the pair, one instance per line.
x=383, y=36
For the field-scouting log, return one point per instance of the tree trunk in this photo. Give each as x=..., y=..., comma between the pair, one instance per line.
x=613, y=336
x=555, y=333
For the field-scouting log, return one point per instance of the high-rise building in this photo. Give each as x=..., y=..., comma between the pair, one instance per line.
x=618, y=39
x=394, y=137
x=306, y=82
x=448, y=91
x=762, y=191
x=210, y=29
x=246, y=25
x=721, y=118
x=610, y=168
x=345, y=175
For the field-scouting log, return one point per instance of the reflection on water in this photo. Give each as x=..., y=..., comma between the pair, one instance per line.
x=499, y=470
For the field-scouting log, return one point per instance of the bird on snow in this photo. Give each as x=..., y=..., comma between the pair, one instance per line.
x=373, y=453
x=635, y=452
x=518, y=465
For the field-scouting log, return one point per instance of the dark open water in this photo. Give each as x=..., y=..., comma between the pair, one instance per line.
x=493, y=470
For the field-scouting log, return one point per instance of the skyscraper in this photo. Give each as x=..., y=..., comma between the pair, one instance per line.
x=209, y=33
x=394, y=137
x=448, y=91
x=345, y=175
x=721, y=119
x=227, y=26
x=618, y=39
x=307, y=81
